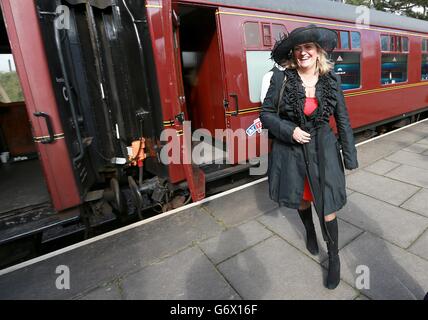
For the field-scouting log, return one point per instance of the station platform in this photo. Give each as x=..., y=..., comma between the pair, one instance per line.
x=241, y=245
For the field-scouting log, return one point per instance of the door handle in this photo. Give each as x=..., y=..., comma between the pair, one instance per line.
x=235, y=96
x=47, y=118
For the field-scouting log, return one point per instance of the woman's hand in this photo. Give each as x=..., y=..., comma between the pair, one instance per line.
x=301, y=136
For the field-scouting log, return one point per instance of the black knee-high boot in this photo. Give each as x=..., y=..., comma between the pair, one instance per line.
x=311, y=237
x=333, y=277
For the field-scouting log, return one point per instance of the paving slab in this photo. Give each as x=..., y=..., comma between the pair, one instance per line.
x=417, y=148
x=273, y=269
x=287, y=224
x=242, y=205
x=410, y=159
x=394, y=224
x=234, y=240
x=373, y=151
x=379, y=187
x=106, y=259
x=393, y=273
x=186, y=275
x=420, y=246
x=107, y=292
x=423, y=141
x=409, y=174
x=381, y=167
x=418, y=203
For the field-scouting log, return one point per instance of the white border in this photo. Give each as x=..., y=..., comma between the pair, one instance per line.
x=160, y=216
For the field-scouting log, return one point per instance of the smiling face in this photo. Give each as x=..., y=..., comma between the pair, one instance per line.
x=306, y=55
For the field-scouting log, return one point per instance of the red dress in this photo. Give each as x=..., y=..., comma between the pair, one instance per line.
x=310, y=105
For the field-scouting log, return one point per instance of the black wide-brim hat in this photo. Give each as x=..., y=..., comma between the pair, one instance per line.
x=325, y=38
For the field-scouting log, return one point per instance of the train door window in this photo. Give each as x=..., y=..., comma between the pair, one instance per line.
x=10, y=87
x=424, y=59
x=278, y=31
x=384, y=43
x=267, y=35
x=347, y=65
x=346, y=59
x=252, y=34
x=394, y=59
x=258, y=53
x=258, y=63
x=356, y=40
x=271, y=33
x=344, y=40
x=405, y=44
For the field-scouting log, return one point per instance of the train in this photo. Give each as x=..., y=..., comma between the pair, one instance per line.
x=109, y=85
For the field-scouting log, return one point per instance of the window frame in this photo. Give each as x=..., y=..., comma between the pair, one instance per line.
x=398, y=49
x=351, y=49
x=424, y=52
x=260, y=47
x=349, y=33
x=244, y=35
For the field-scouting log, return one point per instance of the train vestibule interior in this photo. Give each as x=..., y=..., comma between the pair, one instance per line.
x=202, y=76
x=22, y=182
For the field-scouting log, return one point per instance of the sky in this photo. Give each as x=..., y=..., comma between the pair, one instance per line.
x=4, y=64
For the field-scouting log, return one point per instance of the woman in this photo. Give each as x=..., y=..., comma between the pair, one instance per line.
x=305, y=164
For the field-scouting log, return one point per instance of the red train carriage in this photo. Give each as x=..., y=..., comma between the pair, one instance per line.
x=103, y=79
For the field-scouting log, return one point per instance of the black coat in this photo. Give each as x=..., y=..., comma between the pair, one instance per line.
x=320, y=159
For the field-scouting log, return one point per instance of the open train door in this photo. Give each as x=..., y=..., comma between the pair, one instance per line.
x=243, y=127
x=21, y=19
x=195, y=176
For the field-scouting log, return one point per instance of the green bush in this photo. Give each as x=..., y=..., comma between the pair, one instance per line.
x=11, y=85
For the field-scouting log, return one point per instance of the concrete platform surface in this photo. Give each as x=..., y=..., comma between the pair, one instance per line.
x=243, y=246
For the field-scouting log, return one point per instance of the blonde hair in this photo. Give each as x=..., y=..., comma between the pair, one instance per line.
x=324, y=65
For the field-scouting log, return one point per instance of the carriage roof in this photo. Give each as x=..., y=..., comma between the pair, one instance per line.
x=330, y=10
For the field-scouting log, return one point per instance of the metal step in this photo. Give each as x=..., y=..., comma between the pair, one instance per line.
x=34, y=220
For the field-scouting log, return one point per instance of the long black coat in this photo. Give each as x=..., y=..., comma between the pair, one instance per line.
x=320, y=159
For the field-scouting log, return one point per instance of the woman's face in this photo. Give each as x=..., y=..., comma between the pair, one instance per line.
x=306, y=55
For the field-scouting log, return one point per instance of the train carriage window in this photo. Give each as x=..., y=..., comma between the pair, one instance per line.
x=392, y=43
x=405, y=44
x=425, y=66
x=258, y=63
x=347, y=65
x=344, y=40
x=346, y=59
x=258, y=54
x=424, y=59
x=384, y=43
x=394, y=59
x=252, y=34
x=267, y=36
x=394, y=68
x=356, y=40
x=425, y=45
x=278, y=31
x=10, y=87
